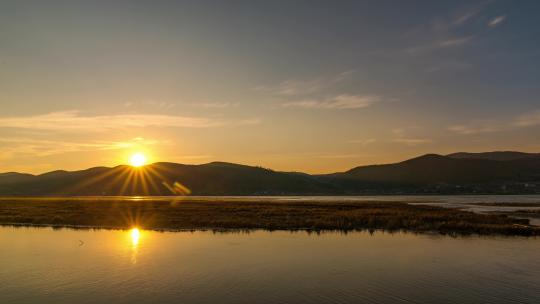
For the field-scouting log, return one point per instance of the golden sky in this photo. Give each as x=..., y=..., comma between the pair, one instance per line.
x=306, y=86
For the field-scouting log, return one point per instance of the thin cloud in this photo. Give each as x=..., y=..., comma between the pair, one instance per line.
x=455, y=41
x=363, y=142
x=74, y=121
x=497, y=21
x=402, y=138
x=37, y=147
x=217, y=105
x=412, y=141
x=305, y=87
x=528, y=120
x=338, y=102
x=466, y=14
x=474, y=128
x=469, y=14
x=441, y=44
x=339, y=156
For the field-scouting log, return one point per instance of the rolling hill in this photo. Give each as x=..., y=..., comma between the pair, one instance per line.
x=458, y=173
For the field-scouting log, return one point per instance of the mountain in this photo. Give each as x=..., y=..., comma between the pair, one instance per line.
x=217, y=178
x=458, y=173
x=497, y=155
x=433, y=168
x=13, y=177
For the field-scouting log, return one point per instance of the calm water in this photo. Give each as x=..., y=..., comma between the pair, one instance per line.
x=41, y=265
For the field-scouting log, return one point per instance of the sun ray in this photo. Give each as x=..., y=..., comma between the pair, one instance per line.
x=151, y=181
x=127, y=181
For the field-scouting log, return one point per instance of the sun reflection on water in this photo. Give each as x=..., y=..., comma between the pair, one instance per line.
x=135, y=236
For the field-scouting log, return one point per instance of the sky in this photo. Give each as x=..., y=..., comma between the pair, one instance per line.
x=312, y=86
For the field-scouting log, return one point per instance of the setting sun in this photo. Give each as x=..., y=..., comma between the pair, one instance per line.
x=137, y=160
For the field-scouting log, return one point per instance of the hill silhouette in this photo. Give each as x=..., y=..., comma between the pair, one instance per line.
x=458, y=173
x=496, y=155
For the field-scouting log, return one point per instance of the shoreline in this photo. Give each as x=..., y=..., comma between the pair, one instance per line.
x=251, y=230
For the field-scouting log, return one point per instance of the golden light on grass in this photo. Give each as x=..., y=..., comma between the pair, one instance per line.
x=137, y=160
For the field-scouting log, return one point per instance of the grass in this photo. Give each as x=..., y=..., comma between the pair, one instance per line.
x=270, y=215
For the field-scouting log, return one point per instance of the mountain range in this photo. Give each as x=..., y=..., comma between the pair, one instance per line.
x=458, y=173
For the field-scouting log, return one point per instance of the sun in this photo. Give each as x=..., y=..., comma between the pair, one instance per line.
x=137, y=160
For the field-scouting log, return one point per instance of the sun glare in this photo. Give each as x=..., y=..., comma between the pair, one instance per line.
x=137, y=160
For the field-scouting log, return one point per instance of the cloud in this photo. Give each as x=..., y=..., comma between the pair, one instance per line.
x=528, y=120
x=338, y=156
x=459, y=18
x=343, y=101
x=401, y=138
x=149, y=103
x=458, y=41
x=497, y=21
x=74, y=121
x=294, y=87
x=216, y=105
x=474, y=128
x=469, y=14
x=305, y=87
x=12, y=146
x=440, y=44
x=412, y=141
x=363, y=142
x=449, y=66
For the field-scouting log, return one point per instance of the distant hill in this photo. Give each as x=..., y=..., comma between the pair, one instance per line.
x=458, y=173
x=13, y=177
x=433, y=168
x=497, y=155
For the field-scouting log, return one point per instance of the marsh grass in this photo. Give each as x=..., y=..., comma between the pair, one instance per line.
x=246, y=215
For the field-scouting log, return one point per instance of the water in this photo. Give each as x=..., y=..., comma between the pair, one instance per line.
x=42, y=265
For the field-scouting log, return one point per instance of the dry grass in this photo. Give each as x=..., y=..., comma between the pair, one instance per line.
x=270, y=215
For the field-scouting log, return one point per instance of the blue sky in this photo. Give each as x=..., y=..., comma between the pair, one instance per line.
x=314, y=86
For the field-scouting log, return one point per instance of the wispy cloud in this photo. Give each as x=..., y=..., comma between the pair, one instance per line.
x=216, y=105
x=449, y=66
x=338, y=156
x=474, y=128
x=400, y=137
x=149, y=103
x=528, y=120
x=412, y=141
x=440, y=44
x=362, y=142
x=497, y=21
x=75, y=121
x=455, y=41
x=460, y=18
x=531, y=119
x=305, y=87
x=37, y=147
x=338, y=102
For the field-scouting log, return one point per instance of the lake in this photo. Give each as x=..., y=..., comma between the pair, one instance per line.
x=43, y=265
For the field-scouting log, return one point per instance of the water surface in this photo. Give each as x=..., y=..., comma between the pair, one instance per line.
x=42, y=265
